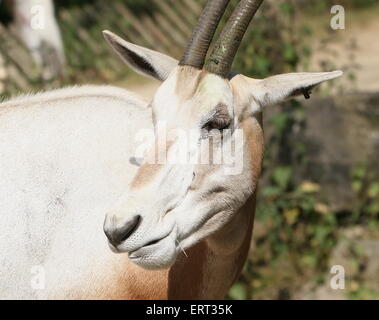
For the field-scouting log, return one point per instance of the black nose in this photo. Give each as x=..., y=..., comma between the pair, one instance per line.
x=117, y=233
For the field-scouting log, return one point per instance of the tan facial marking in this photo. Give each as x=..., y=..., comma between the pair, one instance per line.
x=145, y=174
x=148, y=171
x=253, y=133
x=187, y=82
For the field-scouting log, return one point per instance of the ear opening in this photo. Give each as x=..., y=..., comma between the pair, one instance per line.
x=305, y=91
x=285, y=86
x=142, y=60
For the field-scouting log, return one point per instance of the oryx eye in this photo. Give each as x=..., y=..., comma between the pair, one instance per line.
x=218, y=122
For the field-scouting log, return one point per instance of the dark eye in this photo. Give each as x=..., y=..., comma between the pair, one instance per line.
x=218, y=123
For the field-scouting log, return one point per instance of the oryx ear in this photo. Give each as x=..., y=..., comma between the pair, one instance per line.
x=142, y=60
x=284, y=86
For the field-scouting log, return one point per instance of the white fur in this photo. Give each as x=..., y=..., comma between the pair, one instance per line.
x=64, y=161
x=280, y=87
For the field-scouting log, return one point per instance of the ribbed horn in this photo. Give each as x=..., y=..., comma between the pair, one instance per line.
x=203, y=33
x=221, y=59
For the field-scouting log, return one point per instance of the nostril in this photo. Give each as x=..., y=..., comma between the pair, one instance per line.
x=118, y=234
x=130, y=227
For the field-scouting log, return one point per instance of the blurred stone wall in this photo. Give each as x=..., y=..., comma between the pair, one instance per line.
x=340, y=133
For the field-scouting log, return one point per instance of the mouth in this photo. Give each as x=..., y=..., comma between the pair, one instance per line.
x=157, y=254
x=148, y=247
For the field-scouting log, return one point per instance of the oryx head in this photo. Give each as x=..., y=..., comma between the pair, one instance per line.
x=205, y=160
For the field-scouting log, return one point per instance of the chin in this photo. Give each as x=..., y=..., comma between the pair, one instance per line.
x=154, y=264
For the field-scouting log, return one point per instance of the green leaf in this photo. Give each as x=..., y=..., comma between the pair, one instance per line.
x=286, y=8
x=271, y=191
x=281, y=176
x=280, y=121
x=373, y=190
x=290, y=54
x=357, y=185
x=359, y=172
x=373, y=208
x=291, y=215
x=238, y=291
x=306, y=30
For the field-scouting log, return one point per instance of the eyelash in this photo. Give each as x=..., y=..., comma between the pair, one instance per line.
x=217, y=123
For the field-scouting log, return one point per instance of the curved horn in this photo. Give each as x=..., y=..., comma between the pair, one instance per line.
x=202, y=36
x=221, y=59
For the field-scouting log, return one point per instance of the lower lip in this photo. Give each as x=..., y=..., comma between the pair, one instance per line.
x=139, y=253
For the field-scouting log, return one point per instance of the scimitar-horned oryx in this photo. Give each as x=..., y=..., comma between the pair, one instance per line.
x=66, y=161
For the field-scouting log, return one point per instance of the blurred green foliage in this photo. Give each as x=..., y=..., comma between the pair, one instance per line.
x=135, y=5
x=322, y=5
